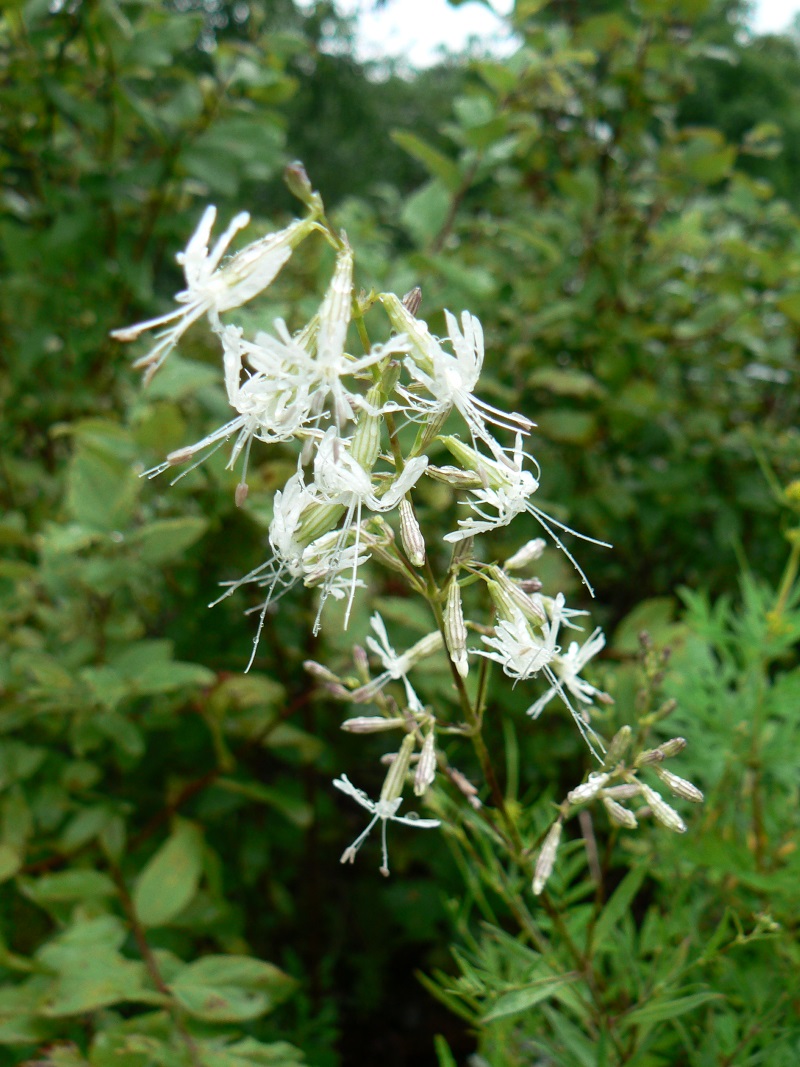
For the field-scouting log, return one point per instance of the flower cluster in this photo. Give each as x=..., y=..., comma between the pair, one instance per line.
x=364, y=428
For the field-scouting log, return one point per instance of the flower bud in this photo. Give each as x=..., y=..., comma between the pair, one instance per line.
x=412, y=300
x=511, y=596
x=396, y=775
x=525, y=555
x=320, y=672
x=547, y=858
x=619, y=815
x=618, y=747
x=587, y=790
x=240, y=494
x=371, y=724
x=623, y=792
x=455, y=630
x=299, y=185
x=415, y=329
x=662, y=811
x=411, y=535
x=672, y=747
x=678, y=786
x=367, y=435
x=426, y=765
x=455, y=476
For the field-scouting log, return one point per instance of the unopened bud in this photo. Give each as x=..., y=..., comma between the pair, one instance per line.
x=530, y=585
x=587, y=790
x=662, y=811
x=455, y=476
x=462, y=783
x=426, y=765
x=618, y=747
x=240, y=495
x=371, y=724
x=412, y=300
x=455, y=630
x=319, y=671
x=547, y=858
x=299, y=185
x=666, y=709
x=623, y=792
x=396, y=776
x=511, y=596
x=411, y=535
x=672, y=747
x=361, y=661
x=525, y=555
x=648, y=756
x=678, y=786
x=620, y=815
x=367, y=435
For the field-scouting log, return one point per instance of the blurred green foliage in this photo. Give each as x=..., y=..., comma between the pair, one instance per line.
x=168, y=841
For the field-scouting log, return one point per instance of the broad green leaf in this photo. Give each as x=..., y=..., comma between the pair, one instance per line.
x=293, y=808
x=250, y=1053
x=168, y=538
x=67, y=886
x=434, y=161
x=170, y=879
x=230, y=988
x=425, y=212
x=166, y=677
x=10, y=862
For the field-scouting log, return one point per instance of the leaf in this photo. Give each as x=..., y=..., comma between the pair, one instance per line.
x=294, y=809
x=658, y=1010
x=250, y=1053
x=230, y=988
x=10, y=862
x=170, y=879
x=434, y=161
x=444, y=1057
x=168, y=538
x=519, y=1000
x=168, y=676
x=425, y=212
x=619, y=903
x=67, y=886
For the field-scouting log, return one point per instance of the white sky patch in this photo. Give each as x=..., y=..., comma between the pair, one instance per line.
x=418, y=32
x=774, y=16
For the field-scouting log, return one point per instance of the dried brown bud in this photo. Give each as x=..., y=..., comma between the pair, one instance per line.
x=412, y=300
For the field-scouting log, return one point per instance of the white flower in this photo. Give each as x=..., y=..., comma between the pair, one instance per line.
x=272, y=404
x=567, y=667
x=385, y=810
x=524, y=653
x=395, y=668
x=450, y=379
x=340, y=479
x=507, y=491
x=521, y=652
x=211, y=288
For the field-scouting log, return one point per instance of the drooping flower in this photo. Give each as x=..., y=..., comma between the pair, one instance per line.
x=395, y=668
x=211, y=288
x=384, y=810
x=272, y=405
x=566, y=667
x=450, y=378
x=525, y=652
x=507, y=491
x=341, y=480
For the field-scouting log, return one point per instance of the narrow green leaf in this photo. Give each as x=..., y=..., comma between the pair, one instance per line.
x=618, y=905
x=658, y=1010
x=520, y=1000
